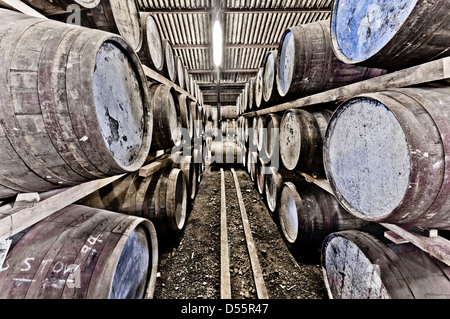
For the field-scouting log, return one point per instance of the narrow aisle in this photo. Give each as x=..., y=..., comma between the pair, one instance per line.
x=190, y=264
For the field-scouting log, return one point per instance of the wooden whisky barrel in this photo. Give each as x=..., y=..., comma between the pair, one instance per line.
x=272, y=137
x=307, y=64
x=151, y=52
x=258, y=97
x=81, y=252
x=169, y=67
x=187, y=122
x=386, y=156
x=180, y=72
x=166, y=117
x=75, y=106
x=274, y=179
x=120, y=17
x=269, y=89
x=308, y=214
x=54, y=7
x=229, y=112
x=390, y=35
x=161, y=198
x=301, y=141
x=251, y=93
x=358, y=265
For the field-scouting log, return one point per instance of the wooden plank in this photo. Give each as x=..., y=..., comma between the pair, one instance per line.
x=438, y=247
x=155, y=166
x=163, y=80
x=21, y=7
x=261, y=289
x=13, y=221
x=395, y=238
x=322, y=183
x=428, y=72
x=225, y=282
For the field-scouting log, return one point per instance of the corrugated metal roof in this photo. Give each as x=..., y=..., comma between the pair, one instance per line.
x=251, y=29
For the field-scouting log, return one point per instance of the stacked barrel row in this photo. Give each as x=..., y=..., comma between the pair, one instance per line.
x=139, y=29
x=77, y=106
x=384, y=154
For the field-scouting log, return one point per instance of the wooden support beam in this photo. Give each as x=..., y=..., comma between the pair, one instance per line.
x=225, y=281
x=14, y=220
x=261, y=289
x=199, y=71
x=19, y=6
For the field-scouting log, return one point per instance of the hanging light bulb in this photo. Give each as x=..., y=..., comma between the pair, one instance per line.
x=217, y=43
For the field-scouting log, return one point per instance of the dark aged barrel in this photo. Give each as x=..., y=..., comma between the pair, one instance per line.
x=225, y=152
x=269, y=89
x=358, y=265
x=259, y=88
x=390, y=34
x=74, y=108
x=160, y=198
x=169, y=67
x=229, y=112
x=83, y=253
x=308, y=214
x=302, y=136
x=272, y=137
x=307, y=64
x=180, y=72
x=187, y=122
x=119, y=17
x=151, y=52
x=53, y=7
x=166, y=117
x=386, y=156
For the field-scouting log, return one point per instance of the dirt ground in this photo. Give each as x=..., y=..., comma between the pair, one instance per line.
x=189, y=265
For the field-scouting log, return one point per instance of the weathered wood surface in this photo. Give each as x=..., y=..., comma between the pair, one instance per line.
x=225, y=282
x=82, y=253
x=261, y=290
x=151, y=52
x=169, y=68
x=161, y=198
x=301, y=139
x=22, y=7
x=386, y=156
x=391, y=35
x=358, y=265
x=308, y=214
x=166, y=117
x=119, y=17
x=64, y=121
x=307, y=64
